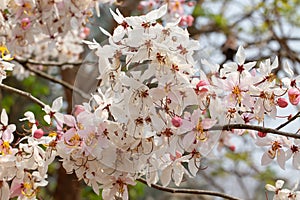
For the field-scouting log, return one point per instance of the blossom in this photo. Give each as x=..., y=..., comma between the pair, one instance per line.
x=117, y=187
x=282, y=193
x=52, y=112
x=240, y=66
x=31, y=119
x=6, y=134
x=25, y=23
x=294, y=153
x=275, y=150
x=196, y=128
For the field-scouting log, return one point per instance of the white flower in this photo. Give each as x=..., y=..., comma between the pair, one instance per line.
x=53, y=111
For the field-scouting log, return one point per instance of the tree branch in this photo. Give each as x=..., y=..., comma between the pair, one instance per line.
x=55, y=80
x=22, y=93
x=48, y=63
x=229, y=127
x=189, y=191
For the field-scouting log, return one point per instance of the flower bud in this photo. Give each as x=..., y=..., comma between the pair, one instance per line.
x=261, y=134
x=38, y=133
x=294, y=96
x=232, y=148
x=282, y=102
x=176, y=121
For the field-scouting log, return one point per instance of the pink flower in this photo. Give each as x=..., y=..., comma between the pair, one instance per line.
x=176, y=121
x=294, y=96
x=282, y=102
x=25, y=23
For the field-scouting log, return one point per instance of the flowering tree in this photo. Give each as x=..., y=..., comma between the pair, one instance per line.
x=156, y=111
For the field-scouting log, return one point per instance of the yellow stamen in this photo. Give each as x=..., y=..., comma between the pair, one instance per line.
x=4, y=53
x=52, y=134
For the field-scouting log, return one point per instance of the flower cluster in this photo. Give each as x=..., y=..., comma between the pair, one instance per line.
x=282, y=193
x=23, y=164
x=156, y=112
x=177, y=9
x=44, y=30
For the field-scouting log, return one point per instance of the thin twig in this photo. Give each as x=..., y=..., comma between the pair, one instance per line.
x=22, y=93
x=190, y=191
x=229, y=127
x=289, y=121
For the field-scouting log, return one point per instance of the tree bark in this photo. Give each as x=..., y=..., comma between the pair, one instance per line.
x=68, y=186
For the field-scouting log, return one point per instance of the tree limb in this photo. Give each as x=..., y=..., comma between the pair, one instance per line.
x=189, y=191
x=48, y=63
x=229, y=127
x=22, y=93
x=55, y=80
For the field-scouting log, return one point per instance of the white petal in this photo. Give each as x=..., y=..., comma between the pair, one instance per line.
x=165, y=177
x=156, y=14
x=105, y=32
x=275, y=63
x=118, y=18
x=4, y=117
x=279, y=184
x=270, y=188
x=188, y=140
x=4, y=191
x=240, y=55
x=281, y=158
x=194, y=165
x=57, y=104
x=287, y=69
x=178, y=174
x=296, y=160
x=265, y=159
x=47, y=119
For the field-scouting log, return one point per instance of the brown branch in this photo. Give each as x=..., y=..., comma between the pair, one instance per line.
x=229, y=127
x=22, y=93
x=48, y=63
x=55, y=80
x=189, y=191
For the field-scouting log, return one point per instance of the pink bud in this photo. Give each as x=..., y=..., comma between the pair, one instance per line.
x=232, y=148
x=25, y=23
x=38, y=133
x=294, y=96
x=261, y=134
x=282, y=102
x=176, y=121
